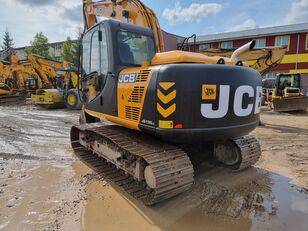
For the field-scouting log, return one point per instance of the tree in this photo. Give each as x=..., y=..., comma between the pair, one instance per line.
x=7, y=40
x=39, y=45
x=67, y=50
x=76, y=50
x=70, y=50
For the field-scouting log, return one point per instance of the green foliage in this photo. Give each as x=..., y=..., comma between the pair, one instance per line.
x=67, y=50
x=76, y=50
x=7, y=40
x=70, y=50
x=39, y=45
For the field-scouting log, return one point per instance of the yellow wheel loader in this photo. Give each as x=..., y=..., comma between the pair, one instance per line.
x=290, y=93
x=65, y=94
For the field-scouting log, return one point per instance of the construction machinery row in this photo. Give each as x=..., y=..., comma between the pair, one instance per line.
x=50, y=83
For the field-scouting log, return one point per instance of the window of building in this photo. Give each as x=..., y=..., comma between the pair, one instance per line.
x=282, y=41
x=260, y=43
x=226, y=45
x=203, y=47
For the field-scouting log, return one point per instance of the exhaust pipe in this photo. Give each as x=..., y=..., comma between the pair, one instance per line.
x=241, y=50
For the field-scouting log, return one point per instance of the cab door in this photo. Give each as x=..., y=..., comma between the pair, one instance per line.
x=91, y=68
x=99, y=85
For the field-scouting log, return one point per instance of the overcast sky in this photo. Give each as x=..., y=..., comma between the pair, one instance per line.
x=58, y=19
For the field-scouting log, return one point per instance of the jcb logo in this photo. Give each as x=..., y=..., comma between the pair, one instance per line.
x=207, y=110
x=127, y=78
x=209, y=91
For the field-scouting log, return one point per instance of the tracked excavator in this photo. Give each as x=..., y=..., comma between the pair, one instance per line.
x=146, y=112
x=17, y=71
x=16, y=79
x=37, y=75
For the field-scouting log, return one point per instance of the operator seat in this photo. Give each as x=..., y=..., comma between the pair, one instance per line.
x=126, y=54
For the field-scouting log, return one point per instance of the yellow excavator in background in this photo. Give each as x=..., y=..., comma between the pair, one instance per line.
x=45, y=68
x=163, y=108
x=55, y=84
x=16, y=79
x=20, y=77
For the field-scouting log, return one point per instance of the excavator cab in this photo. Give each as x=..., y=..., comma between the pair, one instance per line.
x=31, y=84
x=109, y=47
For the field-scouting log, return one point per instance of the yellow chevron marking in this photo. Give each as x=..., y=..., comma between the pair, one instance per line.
x=166, y=112
x=166, y=98
x=166, y=85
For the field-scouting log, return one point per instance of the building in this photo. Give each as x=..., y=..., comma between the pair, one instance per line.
x=295, y=37
x=54, y=51
x=170, y=41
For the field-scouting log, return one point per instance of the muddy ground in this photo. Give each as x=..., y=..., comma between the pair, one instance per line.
x=43, y=186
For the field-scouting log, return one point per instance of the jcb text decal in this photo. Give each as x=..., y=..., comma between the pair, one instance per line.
x=207, y=110
x=127, y=78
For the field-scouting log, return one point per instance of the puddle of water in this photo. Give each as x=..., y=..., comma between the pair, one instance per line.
x=291, y=207
x=253, y=200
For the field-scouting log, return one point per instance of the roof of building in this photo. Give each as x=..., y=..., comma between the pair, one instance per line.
x=51, y=44
x=258, y=32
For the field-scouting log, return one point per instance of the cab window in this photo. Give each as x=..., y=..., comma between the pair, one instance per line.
x=95, y=57
x=86, y=45
x=104, y=54
x=94, y=60
x=135, y=48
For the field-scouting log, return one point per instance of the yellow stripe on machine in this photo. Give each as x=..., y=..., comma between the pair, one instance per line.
x=114, y=119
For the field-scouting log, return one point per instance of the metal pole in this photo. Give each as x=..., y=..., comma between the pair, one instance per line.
x=297, y=50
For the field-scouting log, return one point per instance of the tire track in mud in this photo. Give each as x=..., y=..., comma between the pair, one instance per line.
x=20, y=156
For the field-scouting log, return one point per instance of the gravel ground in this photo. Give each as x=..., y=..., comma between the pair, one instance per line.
x=43, y=186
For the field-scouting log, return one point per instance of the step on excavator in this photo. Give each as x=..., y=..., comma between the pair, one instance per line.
x=146, y=111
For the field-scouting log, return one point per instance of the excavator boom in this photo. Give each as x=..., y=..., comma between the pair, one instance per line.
x=129, y=11
x=261, y=59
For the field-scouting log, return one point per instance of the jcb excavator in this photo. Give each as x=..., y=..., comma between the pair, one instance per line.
x=34, y=73
x=161, y=105
x=16, y=79
x=18, y=71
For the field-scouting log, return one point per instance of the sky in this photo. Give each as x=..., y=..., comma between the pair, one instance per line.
x=58, y=19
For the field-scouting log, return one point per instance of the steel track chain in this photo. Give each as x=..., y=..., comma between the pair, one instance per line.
x=171, y=166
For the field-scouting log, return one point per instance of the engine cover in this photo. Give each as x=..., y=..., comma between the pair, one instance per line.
x=199, y=102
